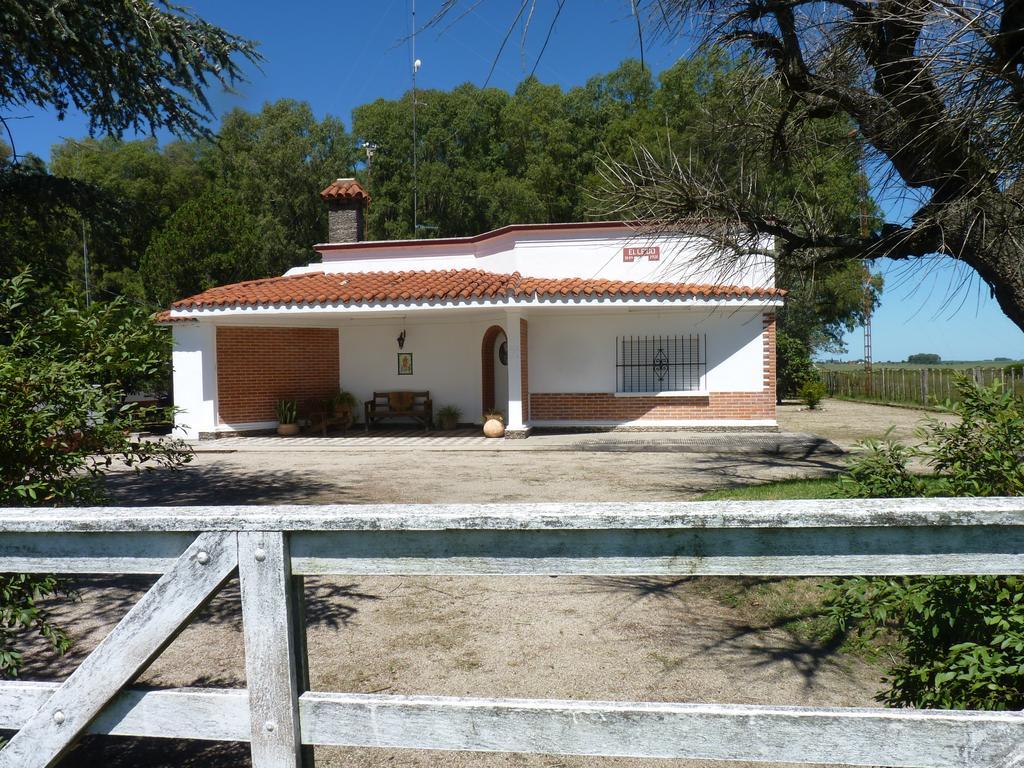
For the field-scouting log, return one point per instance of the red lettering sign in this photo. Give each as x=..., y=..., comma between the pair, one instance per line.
x=650, y=252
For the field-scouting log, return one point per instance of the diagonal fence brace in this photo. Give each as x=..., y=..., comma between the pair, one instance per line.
x=139, y=637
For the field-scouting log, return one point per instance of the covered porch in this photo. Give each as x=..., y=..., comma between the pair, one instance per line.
x=231, y=372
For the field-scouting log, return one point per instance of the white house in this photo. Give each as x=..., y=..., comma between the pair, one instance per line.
x=557, y=325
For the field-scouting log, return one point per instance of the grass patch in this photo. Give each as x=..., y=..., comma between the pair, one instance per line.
x=819, y=488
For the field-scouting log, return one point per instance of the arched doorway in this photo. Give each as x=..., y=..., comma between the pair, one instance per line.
x=494, y=370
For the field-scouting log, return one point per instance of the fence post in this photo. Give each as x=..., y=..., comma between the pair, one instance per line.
x=272, y=669
x=924, y=386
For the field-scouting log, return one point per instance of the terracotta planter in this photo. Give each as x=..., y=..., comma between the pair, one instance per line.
x=494, y=427
x=288, y=430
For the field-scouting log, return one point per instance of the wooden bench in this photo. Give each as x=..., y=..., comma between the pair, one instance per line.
x=400, y=405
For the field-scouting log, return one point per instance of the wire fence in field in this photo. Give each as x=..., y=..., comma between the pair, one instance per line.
x=917, y=386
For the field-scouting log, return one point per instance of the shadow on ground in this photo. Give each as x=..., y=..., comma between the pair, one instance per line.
x=223, y=485
x=106, y=752
x=107, y=599
x=742, y=642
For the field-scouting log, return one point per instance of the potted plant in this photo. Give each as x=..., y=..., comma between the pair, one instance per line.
x=345, y=408
x=448, y=417
x=287, y=417
x=494, y=424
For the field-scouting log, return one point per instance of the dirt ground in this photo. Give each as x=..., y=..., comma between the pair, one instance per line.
x=613, y=638
x=845, y=422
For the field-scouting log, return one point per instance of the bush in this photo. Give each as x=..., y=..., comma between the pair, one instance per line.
x=812, y=393
x=794, y=365
x=64, y=420
x=957, y=642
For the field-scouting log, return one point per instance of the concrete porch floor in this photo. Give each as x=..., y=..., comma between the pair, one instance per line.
x=751, y=443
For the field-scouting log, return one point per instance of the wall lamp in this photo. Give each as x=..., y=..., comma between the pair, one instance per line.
x=401, y=339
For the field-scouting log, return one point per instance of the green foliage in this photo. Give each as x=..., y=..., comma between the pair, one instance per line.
x=957, y=642
x=143, y=66
x=982, y=452
x=20, y=595
x=346, y=400
x=211, y=240
x=881, y=471
x=924, y=358
x=64, y=375
x=287, y=412
x=64, y=422
x=812, y=392
x=794, y=367
x=448, y=416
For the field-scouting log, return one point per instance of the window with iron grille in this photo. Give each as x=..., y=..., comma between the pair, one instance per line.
x=660, y=363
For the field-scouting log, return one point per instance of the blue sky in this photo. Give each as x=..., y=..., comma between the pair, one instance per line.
x=337, y=55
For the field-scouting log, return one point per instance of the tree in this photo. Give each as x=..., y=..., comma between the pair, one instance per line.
x=213, y=239
x=140, y=66
x=147, y=183
x=933, y=95
x=924, y=358
x=930, y=96
x=276, y=160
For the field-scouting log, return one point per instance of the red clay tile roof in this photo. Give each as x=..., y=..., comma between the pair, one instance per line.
x=459, y=285
x=164, y=318
x=345, y=189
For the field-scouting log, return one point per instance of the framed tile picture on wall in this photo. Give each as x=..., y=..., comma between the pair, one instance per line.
x=405, y=363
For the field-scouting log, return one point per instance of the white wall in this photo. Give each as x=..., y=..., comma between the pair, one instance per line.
x=194, y=360
x=563, y=253
x=575, y=352
x=446, y=360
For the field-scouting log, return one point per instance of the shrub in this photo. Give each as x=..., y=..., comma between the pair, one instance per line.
x=812, y=393
x=794, y=365
x=957, y=642
x=64, y=420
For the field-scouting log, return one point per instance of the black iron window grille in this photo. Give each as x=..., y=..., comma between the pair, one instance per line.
x=660, y=363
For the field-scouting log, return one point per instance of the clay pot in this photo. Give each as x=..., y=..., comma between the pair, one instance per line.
x=494, y=427
x=288, y=430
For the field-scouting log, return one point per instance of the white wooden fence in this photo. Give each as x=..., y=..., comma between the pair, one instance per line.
x=196, y=549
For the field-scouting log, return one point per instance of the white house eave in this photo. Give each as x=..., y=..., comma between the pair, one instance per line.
x=338, y=308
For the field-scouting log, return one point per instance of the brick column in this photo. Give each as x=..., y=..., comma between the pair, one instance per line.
x=768, y=360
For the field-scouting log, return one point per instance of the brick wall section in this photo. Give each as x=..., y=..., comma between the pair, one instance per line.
x=524, y=367
x=601, y=406
x=256, y=367
x=768, y=322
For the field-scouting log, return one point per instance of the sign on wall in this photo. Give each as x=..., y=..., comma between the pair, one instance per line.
x=649, y=252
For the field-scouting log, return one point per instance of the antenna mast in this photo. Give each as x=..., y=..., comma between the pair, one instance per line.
x=415, y=179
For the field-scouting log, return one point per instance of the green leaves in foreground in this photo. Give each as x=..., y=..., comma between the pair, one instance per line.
x=956, y=642
x=65, y=373
x=64, y=422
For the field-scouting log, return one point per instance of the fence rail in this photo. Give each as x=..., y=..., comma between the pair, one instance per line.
x=271, y=548
x=915, y=386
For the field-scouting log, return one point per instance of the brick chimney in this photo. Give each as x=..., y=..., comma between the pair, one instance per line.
x=346, y=211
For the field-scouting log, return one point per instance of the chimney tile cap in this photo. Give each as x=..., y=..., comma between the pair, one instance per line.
x=345, y=189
